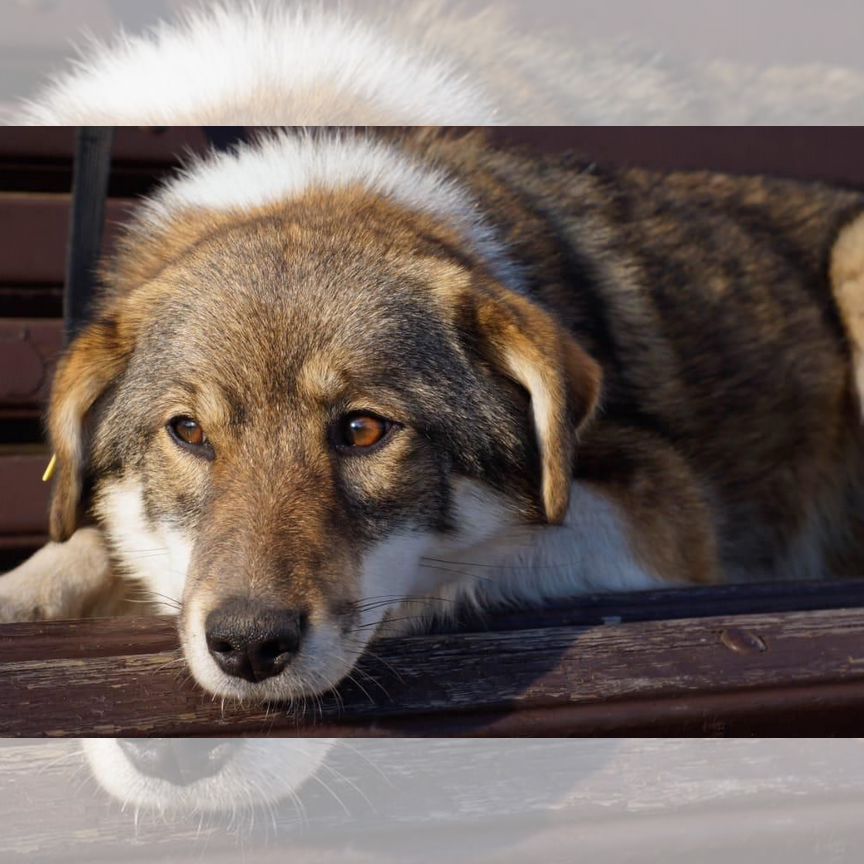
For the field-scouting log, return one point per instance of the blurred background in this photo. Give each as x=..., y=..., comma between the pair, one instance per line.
x=721, y=52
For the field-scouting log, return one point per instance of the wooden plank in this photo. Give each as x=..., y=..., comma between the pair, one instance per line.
x=467, y=683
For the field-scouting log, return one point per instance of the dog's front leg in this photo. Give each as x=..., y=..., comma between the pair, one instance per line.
x=62, y=580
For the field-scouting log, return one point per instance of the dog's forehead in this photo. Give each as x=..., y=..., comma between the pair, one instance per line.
x=273, y=305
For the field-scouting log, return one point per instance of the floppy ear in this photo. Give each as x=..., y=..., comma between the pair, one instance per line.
x=525, y=343
x=94, y=360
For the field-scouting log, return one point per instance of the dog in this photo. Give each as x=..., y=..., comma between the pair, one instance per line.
x=395, y=62
x=342, y=383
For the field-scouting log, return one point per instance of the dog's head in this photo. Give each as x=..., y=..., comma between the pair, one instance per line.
x=279, y=416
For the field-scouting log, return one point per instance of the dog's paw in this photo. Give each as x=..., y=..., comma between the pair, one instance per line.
x=13, y=611
x=20, y=596
x=61, y=580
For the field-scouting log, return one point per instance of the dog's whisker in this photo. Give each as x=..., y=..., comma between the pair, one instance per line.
x=172, y=601
x=501, y=567
x=440, y=568
x=173, y=661
x=403, y=598
x=388, y=621
x=372, y=680
x=364, y=650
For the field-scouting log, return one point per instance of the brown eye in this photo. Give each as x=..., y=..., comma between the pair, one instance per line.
x=361, y=431
x=189, y=434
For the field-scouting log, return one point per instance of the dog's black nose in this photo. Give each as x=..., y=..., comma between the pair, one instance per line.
x=179, y=761
x=253, y=642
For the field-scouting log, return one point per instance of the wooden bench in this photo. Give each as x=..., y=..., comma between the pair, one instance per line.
x=771, y=659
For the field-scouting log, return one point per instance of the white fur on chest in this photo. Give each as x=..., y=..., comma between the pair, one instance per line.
x=590, y=551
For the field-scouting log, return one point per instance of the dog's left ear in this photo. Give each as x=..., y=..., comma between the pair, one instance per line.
x=524, y=342
x=95, y=359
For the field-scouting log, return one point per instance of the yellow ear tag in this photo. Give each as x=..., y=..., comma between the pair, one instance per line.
x=52, y=467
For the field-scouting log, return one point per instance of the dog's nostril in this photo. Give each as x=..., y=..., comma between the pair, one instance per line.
x=179, y=761
x=271, y=656
x=251, y=641
x=219, y=645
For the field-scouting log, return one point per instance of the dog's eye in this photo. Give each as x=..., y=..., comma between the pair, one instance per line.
x=361, y=431
x=189, y=434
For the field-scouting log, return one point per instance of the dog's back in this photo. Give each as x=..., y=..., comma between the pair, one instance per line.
x=708, y=300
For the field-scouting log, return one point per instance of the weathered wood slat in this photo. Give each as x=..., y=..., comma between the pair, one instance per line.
x=474, y=683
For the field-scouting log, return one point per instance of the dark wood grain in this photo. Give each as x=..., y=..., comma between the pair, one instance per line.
x=125, y=678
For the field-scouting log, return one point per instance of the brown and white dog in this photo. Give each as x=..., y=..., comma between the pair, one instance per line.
x=340, y=383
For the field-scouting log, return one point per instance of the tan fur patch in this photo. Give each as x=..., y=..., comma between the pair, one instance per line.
x=847, y=280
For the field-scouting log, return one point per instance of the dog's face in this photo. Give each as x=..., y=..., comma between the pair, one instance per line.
x=277, y=417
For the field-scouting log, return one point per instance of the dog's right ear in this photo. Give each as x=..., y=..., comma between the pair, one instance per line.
x=522, y=341
x=95, y=359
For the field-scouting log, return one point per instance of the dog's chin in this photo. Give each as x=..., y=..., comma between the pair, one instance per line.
x=259, y=773
x=325, y=658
